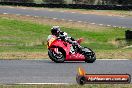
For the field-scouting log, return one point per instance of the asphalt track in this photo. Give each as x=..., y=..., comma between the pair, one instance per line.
x=46, y=71
x=72, y=16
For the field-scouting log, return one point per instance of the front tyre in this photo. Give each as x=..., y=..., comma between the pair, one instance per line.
x=58, y=58
x=90, y=56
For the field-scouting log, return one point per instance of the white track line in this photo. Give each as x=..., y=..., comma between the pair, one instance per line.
x=92, y=23
x=5, y=13
x=112, y=59
x=70, y=20
x=108, y=25
x=101, y=24
x=62, y=19
x=123, y=27
x=79, y=21
x=114, y=26
x=18, y=14
x=54, y=18
x=27, y=15
x=36, y=16
x=44, y=83
x=73, y=12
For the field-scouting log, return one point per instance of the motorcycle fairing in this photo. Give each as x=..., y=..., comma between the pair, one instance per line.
x=66, y=47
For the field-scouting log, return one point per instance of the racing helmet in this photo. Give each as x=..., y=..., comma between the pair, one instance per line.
x=55, y=30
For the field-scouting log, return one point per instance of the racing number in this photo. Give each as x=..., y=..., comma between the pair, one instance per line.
x=51, y=40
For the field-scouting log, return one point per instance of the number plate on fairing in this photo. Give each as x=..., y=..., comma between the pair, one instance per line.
x=51, y=39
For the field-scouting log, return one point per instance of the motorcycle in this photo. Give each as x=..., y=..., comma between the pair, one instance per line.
x=60, y=51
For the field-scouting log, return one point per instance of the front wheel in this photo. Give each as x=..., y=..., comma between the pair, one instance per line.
x=56, y=57
x=90, y=56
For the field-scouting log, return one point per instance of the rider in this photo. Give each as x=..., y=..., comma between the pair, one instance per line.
x=55, y=30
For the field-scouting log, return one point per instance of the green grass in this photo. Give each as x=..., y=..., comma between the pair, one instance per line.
x=98, y=40
x=27, y=36
x=22, y=35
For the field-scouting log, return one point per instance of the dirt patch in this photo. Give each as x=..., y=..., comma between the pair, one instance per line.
x=115, y=54
x=44, y=55
x=23, y=55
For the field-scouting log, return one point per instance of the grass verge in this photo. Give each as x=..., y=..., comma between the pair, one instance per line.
x=24, y=37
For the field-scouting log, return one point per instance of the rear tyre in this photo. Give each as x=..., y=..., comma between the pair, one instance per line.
x=58, y=58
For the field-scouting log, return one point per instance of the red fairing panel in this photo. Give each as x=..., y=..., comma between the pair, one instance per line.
x=66, y=47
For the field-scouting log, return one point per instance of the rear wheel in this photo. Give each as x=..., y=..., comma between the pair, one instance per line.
x=56, y=57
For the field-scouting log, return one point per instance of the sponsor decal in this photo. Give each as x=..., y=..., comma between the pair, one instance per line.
x=84, y=78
